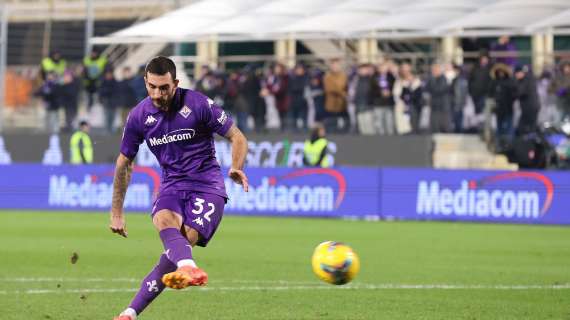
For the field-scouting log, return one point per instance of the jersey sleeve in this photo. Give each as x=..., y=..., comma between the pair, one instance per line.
x=216, y=118
x=132, y=137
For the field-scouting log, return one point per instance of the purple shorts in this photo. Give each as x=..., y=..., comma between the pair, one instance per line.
x=200, y=211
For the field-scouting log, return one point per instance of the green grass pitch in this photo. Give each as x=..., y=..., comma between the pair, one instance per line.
x=259, y=268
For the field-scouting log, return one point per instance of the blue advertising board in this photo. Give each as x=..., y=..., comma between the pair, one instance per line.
x=273, y=191
x=534, y=197
x=476, y=195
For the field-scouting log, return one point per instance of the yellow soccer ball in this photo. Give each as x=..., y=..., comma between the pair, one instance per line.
x=335, y=262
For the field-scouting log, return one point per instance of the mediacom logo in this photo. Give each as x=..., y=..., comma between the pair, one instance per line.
x=173, y=136
x=307, y=195
x=484, y=198
x=91, y=192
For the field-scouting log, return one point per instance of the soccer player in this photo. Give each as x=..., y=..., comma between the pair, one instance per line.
x=178, y=126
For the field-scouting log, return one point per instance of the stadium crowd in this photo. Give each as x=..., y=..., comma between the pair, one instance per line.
x=369, y=99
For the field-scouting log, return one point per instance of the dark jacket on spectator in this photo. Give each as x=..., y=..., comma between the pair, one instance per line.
x=440, y=93
x=479, y=81
x=50, y=93
x=379, y=83
x=279, y=87
x=362, y=93
x=108, y=93
x=125, y=94
x=503, y=90
x=297, y=86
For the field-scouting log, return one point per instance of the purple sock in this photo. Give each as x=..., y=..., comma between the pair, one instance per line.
x=152, y=284
x=177, y=246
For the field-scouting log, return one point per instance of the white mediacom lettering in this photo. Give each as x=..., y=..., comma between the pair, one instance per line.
x=280, y=198
x=173, y=136
x=65, y=193
x=432, y=199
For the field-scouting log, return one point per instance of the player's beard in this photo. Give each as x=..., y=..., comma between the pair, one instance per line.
x=163, y=103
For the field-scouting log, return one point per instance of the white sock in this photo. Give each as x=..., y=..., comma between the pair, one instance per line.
x=130, y=312
x=186, y=262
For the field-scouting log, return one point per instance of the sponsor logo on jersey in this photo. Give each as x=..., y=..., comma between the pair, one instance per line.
x=491, y=197
x=185, y=111
x=150, y=120
x=173, y=136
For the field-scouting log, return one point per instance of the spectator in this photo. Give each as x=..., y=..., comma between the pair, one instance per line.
x=259, y=107
x=315, y=150
x=53, y=64
x=278, y=85
x=383, y=99
x=440, y=100
x=335, y=86
x=561, y=88
x=503, y=90
x=362, y=100
x=81, y=147
x=548, y=110
x=248, y=94
x=207, y=82
x=108, y=93
x=479, y=81
x=527, y=95
x=50, y=94
x=138, y=85
x=408, y=90
x=298, y=92
x=460, y=92
x=93, y=66
x=126, y=98
x=505, y=51
x=318, y=94
x=70, y=97
x=231, y=92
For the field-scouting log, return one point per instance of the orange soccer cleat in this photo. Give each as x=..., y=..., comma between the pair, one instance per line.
x=123, y=317
x=184, y=277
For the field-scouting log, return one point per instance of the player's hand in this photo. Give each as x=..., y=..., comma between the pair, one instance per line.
x=239, y=177
x=118, y=224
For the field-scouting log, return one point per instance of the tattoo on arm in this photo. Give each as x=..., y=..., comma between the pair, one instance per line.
x=123, y=171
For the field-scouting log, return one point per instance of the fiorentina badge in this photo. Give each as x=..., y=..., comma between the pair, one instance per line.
x=185, y=111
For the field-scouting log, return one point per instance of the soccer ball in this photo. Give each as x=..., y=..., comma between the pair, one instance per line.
x=335, y=262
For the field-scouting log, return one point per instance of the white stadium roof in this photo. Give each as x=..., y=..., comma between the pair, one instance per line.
x=250, y=20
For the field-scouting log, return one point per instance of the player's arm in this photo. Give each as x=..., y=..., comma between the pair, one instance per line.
x=123, y=170
x=239, y=152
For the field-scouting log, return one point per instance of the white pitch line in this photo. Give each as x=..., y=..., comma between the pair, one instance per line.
x=315, y=287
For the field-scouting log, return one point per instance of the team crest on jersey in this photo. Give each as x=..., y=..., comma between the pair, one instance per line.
x=150, y=120
x=185, y=111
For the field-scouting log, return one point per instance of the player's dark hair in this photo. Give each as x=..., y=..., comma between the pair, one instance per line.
x=161, y=65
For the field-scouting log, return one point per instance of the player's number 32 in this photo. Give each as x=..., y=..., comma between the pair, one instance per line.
x=199, y=208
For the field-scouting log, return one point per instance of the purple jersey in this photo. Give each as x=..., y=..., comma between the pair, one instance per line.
x=181, y=139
